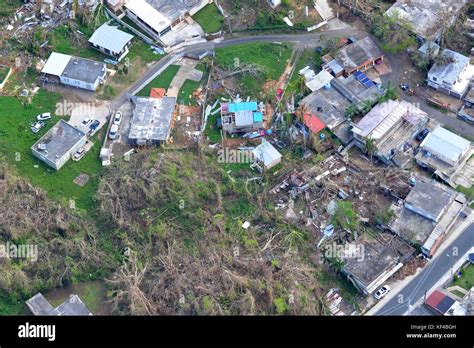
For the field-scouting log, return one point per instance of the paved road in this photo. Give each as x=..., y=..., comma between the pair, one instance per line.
x=415, y=290
x=300, y=40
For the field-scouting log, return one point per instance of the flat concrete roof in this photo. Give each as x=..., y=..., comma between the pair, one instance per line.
x=58, y=141
x=152, y=118
x=85, y=70
x=375, y=259
x=449, y=70
x=148, y=14
x=172, y=9
x=431, y=197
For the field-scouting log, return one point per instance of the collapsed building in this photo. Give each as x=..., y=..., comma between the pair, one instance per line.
x=427, y=17
x=39, y=305
x=391, y=126
x=427, y=214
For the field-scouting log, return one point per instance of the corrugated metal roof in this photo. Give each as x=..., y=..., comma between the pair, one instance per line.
x=111, y=38
x=245, y=106
x=56, y=64
x=257, y=117
x=445, y=144
x=266, y=153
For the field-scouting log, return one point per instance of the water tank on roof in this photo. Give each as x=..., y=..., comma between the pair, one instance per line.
x=327, y=86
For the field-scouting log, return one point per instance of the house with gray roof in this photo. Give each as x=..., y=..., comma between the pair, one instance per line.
x=111, y=41
x=428, y=213
x=451, y=74
x=152, y=120
x=74, y=71
x=59, y=143
x=73, y=306
x=359, y=56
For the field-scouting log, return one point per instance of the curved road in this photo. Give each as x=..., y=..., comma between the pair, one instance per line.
x=423, y=282
x=301, y=40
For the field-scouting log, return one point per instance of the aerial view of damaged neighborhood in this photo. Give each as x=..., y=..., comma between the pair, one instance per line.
x=237, y=157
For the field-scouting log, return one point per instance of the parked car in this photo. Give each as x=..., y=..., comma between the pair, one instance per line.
x=118, y=118
x=79, y=153
x=384, y=290
x=35, y=127
x=86, y=121
x=422, y=135
x=44, y=116
x=404, y=87
x=113, y=133
x=94, y=125
x=466, y=118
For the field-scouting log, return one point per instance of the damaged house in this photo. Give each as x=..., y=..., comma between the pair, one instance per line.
x=152, y=120
x=242, y=117
x=446, y=155
x=368, y=263
x=427, y=214
x=73, y=71
x=391, y=126
x=427, y=18
x=329, y=102
x=39, y=305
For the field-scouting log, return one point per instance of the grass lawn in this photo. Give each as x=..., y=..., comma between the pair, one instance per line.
x=141, y=50
x=211, y=131
x=161, y=81
x=185, y=93
x=469, y=192
x=272, y=58
x=467, y=279
x=210, y=19
x=308, y=58
x=16, y=140
x=60, y=40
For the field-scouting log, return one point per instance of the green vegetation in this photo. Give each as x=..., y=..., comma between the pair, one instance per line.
x=210, y=19
x=469, y=192
x=270, y=58
x=211, y=131
x=3, y=73
x=8, y=7
x=394, y=33
x=161, y=81
x=345, y=216
x=140, y=50
x=309, y=58
x=185, y=93
x=16, y=140
x=466, y=281
x=60, y=40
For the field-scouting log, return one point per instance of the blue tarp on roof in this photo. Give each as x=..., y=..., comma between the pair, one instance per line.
x=257, y=117
x=471, y=258
x=246, y=106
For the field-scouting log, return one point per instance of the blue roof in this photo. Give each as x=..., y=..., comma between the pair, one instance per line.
x=257, y=117
x=246, y=106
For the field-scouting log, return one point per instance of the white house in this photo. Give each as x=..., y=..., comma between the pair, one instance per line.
x=111, y=41
x=451, y=74
x=73, y=71
x=266, y=154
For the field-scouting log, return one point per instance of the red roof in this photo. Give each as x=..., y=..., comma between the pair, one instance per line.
x=313, y=123
x=434, y=299
x=157, y=93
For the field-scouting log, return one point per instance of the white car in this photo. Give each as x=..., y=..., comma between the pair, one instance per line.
x=86, y=121
x=384, y=290
x=78, y=155
x=35, y=128
x=113, y=133
x=118, y=118
x=44, y=116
